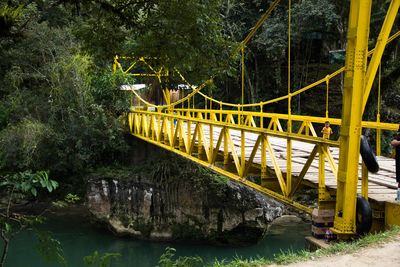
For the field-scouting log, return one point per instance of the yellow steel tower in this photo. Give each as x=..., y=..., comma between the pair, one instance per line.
x=357, y=85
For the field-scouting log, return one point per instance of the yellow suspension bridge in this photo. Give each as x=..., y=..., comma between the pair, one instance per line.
x=284, y=150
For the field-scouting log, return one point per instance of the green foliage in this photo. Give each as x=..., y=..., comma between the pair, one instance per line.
x=24, y=145
x=313, y=16
x=106, y=91
x=28, y=183
x=69, y=199
x=8, y=17
x=9, y=13
x=239, y=262
x=101, y=37
x=49, y=248
x=56, y=115
x=167, y=260
x=186, y=35
x=101, y=260
x=168, y=170
x=215, y=182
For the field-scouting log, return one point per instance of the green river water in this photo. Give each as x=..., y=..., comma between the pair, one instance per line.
x=79, y=239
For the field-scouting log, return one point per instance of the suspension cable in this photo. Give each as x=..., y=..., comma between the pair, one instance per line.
x=242, y=75
x=288, y=78
x=327, y=97
x=378, y=115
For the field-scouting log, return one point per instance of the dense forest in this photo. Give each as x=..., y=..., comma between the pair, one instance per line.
x=60, y=106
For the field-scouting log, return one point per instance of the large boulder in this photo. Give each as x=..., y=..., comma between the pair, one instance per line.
x=179, y=201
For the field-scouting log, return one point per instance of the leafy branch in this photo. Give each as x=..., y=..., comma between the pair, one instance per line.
x=12, y=223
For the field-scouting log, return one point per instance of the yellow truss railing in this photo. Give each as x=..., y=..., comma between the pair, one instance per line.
x=205, y=137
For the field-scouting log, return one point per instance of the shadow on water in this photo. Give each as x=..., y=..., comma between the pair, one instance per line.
x=80, y=239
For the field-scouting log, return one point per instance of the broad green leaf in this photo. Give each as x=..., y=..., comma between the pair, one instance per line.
x=54, y=184
x=49, y=188
x=34, y=191
x=7, y=227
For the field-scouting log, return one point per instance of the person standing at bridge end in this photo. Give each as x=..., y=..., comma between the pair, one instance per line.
x=327, y=130
x=396, y=144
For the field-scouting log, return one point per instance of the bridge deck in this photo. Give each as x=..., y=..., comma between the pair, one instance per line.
x=382, y=185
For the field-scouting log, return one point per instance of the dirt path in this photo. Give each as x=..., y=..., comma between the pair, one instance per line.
x=382, y=255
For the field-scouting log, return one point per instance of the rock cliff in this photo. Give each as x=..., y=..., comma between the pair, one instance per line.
x=179, y=201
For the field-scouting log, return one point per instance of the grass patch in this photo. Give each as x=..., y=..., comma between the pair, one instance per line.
x=287, y=257
x=239, y=262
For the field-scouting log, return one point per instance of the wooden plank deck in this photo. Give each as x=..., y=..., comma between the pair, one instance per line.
x=382, y=185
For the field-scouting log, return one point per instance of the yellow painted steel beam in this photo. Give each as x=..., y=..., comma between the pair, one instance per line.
x=277, y=169
x=226, y=147
x=356, y=62
x=288, y=167
x=321, y=173
x=320, y=120
x=130, y=67
x=218, y=145
x=282, y=134
x=204, y=142
x=193, y=138
x=252, y=155
x=211, y=148
x=233, y=151
x=302, y=127
x=242, y=153
x=331, y=161
x=170, y=131
x=263, y=157
x=189, y=134
x=275, y=117
x=311, y=128
x=305, y=169
x=174, y=134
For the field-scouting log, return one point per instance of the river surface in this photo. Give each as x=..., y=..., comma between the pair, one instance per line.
x=79, y=239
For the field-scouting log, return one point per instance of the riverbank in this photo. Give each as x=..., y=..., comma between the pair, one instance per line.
x=382, y=254
x=349, y=253
x=366, y=251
